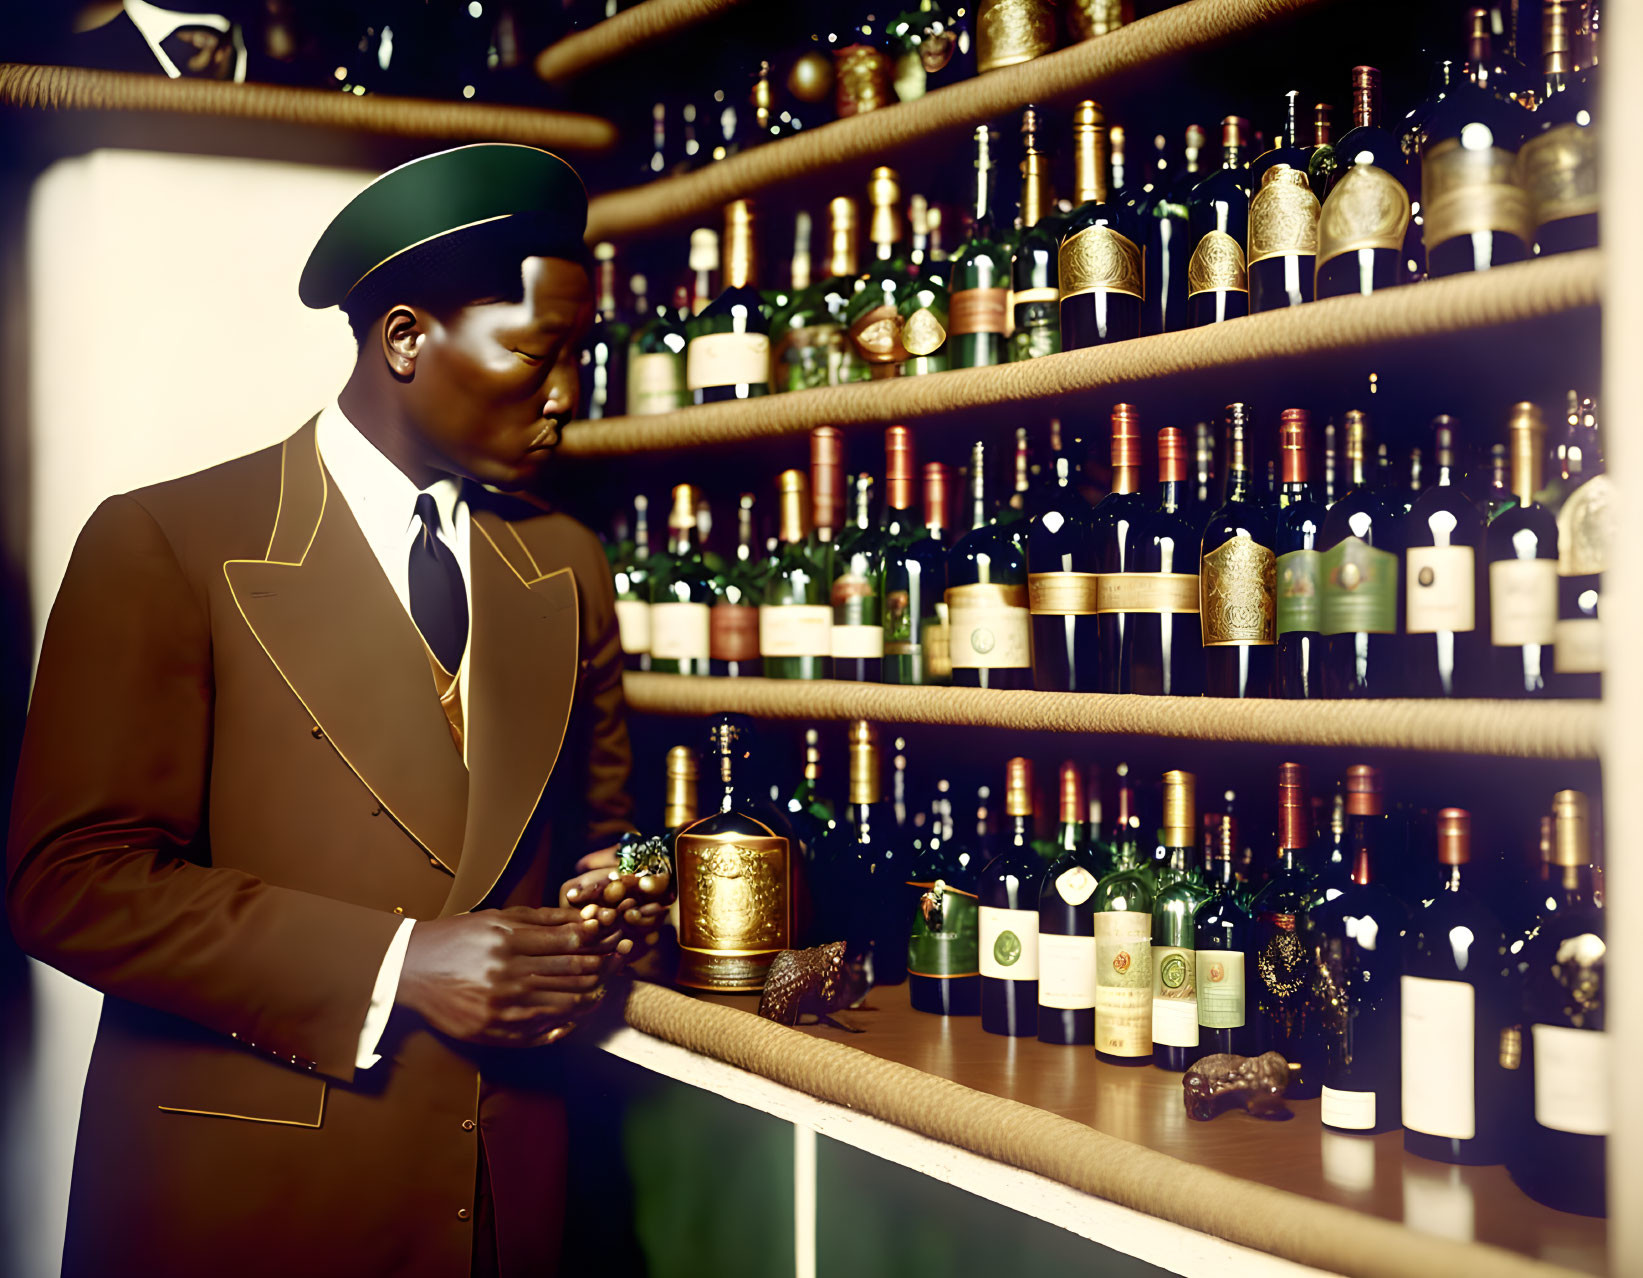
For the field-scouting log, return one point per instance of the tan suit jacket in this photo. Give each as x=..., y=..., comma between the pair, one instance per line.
x=236, y=779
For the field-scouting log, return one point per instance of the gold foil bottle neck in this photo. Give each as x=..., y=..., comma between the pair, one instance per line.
x=1072, y=793
x=1555, y=38
x=680, y=802
x=741, y=260
x=864, y=762
x=1366, y=96
x=884, y=197
x=1018, y=787
x=1284, y=173
x=841, y=237
x=1294, y=806
x=1180, y=809
x=1089, y=153
x=1037, y=192
x=1527, y=433
x=1238, y=423
x=704, y=249
x=1364, y=791
x=1454, y=836
x=1572, y=836
x=899, y=467
x=800, y=268
x=682, y=516
x=794, y=512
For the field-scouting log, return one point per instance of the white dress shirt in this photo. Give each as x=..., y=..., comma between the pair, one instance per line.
x=383, y=502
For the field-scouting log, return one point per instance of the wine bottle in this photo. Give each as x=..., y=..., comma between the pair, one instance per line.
x=1014, y=509
x=1283, y=221
x=1455, y=1000
x=631, y=577
x=1285, y=1013
x=1557, y=1149
x=1237, y=578
x=943, y=949
x=1207, y=493
x=1300, y=523
x=1286, y=145
x=656, y=360
x=1174, y=957
x=990, y=627
x=727, y=355
x=1062, y=563
x=1522, y=549
x=1123, y=946
x=1558, y=164
x=1117, y=522
x=734, y=622
x=1364, y=224
x=1360, y=603
x=1162, y=213
x=682, y=596
x=602, y=363
x=1443, y=572
x=1009, y=916
x=795, y=617
x=808, y=809
x=1163, y=650
x=1099, y=263
x=809, y=345
x=858, y=579
x=884, y=859
x=915, y=572
x=826, y=496
x=1223, y=933
x=1583, y=534
x=1066, y=925
x=978, y=302
x=1035, y=294
x=1218, y=224
x=873, y=324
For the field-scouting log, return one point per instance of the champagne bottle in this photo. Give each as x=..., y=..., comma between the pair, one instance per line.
x=704, y=269
x=1066, y=925
x=989, y=623
x=727, y=355
x=979, y=285
x=1300, y=523
x=1236, y=578
x=810, y=348
x=1099, y=264
x=1443, y=574
x=1035, y=294
x=682, y=596
x=882, y=858
x=1283, y=221
x=873, y=324
x=1174, y=960
x=795, y=617
x=1218, y=225
x=1521, y=546
x=1009, y=916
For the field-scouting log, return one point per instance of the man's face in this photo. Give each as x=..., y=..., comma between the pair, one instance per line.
x=495, y=382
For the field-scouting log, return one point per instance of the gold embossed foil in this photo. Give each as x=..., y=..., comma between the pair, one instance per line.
x=1012, y=31
x=1237, y=598
x=1472, y=188
x=1558, y=169
x=1099, y=259
x=1368, y=209
x=1283, y=216
x=1086, y=18
x=734, y=904
x=1217, y=264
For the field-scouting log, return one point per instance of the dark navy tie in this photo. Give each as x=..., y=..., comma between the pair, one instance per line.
x=439, y=605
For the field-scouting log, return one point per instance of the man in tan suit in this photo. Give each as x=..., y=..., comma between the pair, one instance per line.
x=316, y=741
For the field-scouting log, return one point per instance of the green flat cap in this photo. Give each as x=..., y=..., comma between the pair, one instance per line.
x=441, y=194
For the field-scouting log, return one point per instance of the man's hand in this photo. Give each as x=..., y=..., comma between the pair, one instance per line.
x=509, y=978
x=641, y=901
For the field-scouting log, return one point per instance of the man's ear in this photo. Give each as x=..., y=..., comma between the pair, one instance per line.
x=403, y=330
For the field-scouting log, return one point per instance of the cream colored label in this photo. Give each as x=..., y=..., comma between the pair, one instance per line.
x=680, y=631
x=1066, y=971
x=795, y=630
x=1283, y=218
x=1440, y=589
x=1572, y=1079
x=1558, y=168
x=633, y=625
x=1578, y=646
x=1522, y=602
x=1123, y=975
x=1438, y=1083
x=727, y=359
x=1469, y=185
x=1099, y=259
x=860, y=642
x=1147, y=592
x=1174, y=996
x=990, y=628
x=1354, y=1111
x=1220, y=988
x=1584, y=527
x=1368, y=209
x=1009, y=944
x=656, y=384
x=1061, y=594
x=1217, y=264
x=1236, y=590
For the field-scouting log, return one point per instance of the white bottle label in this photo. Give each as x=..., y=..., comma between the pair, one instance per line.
x=633, y=625
x=679, y=631
x=1174, y=996
x=1572, y=1079
x=656, y=383
x=1579, y=648
x=1220, y=989
x=727, y=359
x=1066, y=971
x=1009, y=943
x=795, y=630
x=858, y=641
x=1355, y=1111
x=1439, y=589
x=989, y=627
x=1123, y=976
x=1522, y=602
x=1438, y=1038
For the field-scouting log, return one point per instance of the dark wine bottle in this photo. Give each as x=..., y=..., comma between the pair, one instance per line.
x=915, y=565
x=1218, y=226
x=872, y=828
x=1522, y=548
x=943, y=959
x=1299, y=650
x=989, y=625
x=1285, y=1015
x=1364, y=224
x=1009, y=916
x=1283, y=221
x=682, y=595
x=602, y=364
x=728, y=351
x=1035, y=293
x=1117, y=521
x=1062, y=566
x=1223, y=933
x=630, y=574
x=1286, y=145
x=1162, y=209
x=1174, y=909
x=1099, y=264
x=1162, y=653
x=1066, y=925
x=1583, y=536
x=978, y=302
x=858, y=580
x=1558, y=164
x=1237, y=578
x=1447, y=653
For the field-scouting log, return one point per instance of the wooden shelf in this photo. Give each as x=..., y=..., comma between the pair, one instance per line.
x=1506, y=729
x=1435, y=323
x=69, y=89
x=629, y=30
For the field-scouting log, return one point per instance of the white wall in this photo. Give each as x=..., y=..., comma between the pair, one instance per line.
x=164, y=335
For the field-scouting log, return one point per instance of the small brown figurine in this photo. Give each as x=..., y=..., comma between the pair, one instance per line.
x=808, y=981
x=1216, y=1083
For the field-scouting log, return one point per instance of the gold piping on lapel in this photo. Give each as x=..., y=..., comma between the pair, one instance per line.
x=325, y=493
x=251, y=1118
x=535, y=567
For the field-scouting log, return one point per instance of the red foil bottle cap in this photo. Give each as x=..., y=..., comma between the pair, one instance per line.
x=1454, y=836
x=899, y=467
x=1363, y=791
x=1072, y=793
x=1172, y=455
x=937, y=479
x=1292, y=432
x=1234, y=131
x=1294, y=806
x=827, y=477
x=1126, y=435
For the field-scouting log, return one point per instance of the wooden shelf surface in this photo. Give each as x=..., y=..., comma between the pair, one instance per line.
x=626, y=32
x=1529, y=310
x=1508, y=729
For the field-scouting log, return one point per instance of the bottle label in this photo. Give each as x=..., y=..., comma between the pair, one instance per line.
x=680, y=631
x=860, y=642
x=1012, y=31
x=1236, y=591
x=1217, y=265
x=1571, y=1079
x=1049, y=295
x=1281, y=967
x=1368, y=209
x=946, y=930
x=795, y=630
x=877, y=336
x=1439, y=589
x=1066, y=971
x=1220, y=988
x=633, y=625
x=727, y=359
x=991, y=628
x=809, y=357
x=1298, y=607
x=1359, y=589
x=938, y=658
x=1160, y=592
x=1472, y=188
x=1100, y=260
x=1009, y=944
x=1584, y=527
x=1123, y=975
x=1558, y=168
x=656, y=384
x=1438, y=1037
x=1283, y=218
x=1578, y=646
x=1075, y=885
x=975, y=310
x=1061, y=594
x=733, y=632
x=1354, y=1111
x=1522, y=602
x=1174, y=996
x=734, y=907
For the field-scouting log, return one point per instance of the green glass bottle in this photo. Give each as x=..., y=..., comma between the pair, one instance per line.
x=1174, y=957
x=858, y=580
x=734, y=634
x=1035, y=297
x=795, y=618
x=727, y=354
x=871, y=318
x=1123, y=959
x=682, y=596
x=631, y=576
x=979, y=282
x=915, y=570
x=656, y=360
x=809, y=344
x=991, y=631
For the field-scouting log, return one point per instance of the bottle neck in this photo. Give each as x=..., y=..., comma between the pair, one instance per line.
x=681, y=541
x=1090, y=164
x=980, y=507
x=1222, y=877
x=1172, y=495
x=1021, y=830
x=981, y=204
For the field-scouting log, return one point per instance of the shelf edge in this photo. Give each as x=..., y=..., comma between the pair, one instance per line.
x=624, y=33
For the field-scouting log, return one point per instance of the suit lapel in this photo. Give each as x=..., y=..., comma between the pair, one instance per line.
x=325, y=614
x=523, y=665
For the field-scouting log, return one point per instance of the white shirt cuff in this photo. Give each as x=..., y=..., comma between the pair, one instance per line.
x=382, y=997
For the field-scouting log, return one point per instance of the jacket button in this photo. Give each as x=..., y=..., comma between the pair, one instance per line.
x=377, y=811
x=317, y=731
x=462, y=1213
x=399, y=909
x=433, y=861
x=467, y=1124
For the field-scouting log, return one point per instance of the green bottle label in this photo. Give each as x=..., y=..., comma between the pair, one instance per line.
x=1220, y=988
x=1359, y=590
x=945, y=940
x=1298, y=607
